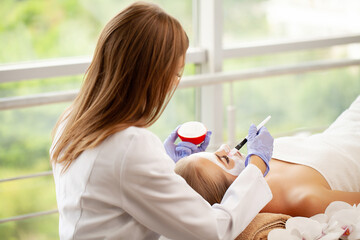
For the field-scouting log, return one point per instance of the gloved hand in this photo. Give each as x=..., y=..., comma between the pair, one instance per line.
x=260, y=144
x=183, y=149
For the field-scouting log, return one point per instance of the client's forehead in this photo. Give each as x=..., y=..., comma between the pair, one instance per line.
x=202, y=156
x=202, y=159
x=206, y=159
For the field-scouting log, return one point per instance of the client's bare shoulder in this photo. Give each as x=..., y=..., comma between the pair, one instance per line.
x=294, y=188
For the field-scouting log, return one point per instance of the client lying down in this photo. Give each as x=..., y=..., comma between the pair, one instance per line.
x=306, y=173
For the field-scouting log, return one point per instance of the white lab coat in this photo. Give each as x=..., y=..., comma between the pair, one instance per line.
x=126, y=188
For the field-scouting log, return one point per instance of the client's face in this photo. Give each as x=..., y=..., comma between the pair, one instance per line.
x=222, y=160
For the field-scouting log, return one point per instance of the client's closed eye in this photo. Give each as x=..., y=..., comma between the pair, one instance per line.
x=222, y=158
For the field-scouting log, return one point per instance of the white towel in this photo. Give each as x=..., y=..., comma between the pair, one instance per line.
x=335, y=153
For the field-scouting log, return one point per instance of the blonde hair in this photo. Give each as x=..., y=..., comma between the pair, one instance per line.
x=129, y=82
x=211, y=187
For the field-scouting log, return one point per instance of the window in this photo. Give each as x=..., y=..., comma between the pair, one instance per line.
x=266, y=66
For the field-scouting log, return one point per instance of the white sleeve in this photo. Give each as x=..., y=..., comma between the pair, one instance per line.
x=158, y=198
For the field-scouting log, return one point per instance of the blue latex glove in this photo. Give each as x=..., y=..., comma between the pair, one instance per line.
x=260, y=144
x=183, y=149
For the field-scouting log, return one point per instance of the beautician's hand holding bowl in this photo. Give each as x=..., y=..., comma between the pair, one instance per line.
x=195, y=138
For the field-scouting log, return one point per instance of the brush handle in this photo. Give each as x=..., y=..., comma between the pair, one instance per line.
x=243, y=142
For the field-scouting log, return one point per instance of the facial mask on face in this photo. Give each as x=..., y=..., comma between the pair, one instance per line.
x=235, y=155
x=239, y=163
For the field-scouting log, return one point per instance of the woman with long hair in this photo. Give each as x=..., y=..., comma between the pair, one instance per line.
x=114, y=179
